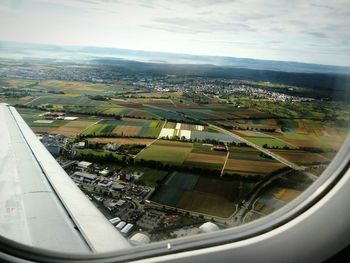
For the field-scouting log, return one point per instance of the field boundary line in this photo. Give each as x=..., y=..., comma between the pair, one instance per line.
x=32, y=100
x=227, y=156
x=261, y=149
x=148, y=145
x=90, y=126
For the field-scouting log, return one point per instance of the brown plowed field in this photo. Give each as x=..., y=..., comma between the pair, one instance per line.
x=253, y=167
x=206, y=158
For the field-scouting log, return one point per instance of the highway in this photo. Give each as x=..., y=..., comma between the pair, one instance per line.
x=264, y=150
x=237, y=219
x=261, y=149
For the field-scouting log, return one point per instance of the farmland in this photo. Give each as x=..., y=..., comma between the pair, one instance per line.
x=247, y=161
x=168, y=152
x=121, y=140
x=203, y=155
x=302, y=157
x=152, y=177
x=125, y=128
x=207, y=195
x=149, y=115
x=269, y=141
x=277, y=194
x=73, y=128
x=171, y=129
x=245, y=167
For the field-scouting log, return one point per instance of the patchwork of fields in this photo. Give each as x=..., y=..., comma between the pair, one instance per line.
x=194, y=132
x=135, y=141
x=304, y=158
x=74, y=127
x=248, y=161
x=182, y=153
x=203, y=155
x=203, y=194
x=114, y=114
x=126, y=127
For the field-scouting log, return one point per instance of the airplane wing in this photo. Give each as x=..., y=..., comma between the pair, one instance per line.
x=39, y=204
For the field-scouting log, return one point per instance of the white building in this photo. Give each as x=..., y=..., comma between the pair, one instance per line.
x=208, y=227
x=139, y=239
x=120, y=225
x=126, y=230
x=85, y=177
x=84, y=165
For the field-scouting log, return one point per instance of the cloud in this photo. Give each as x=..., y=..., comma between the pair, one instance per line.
x=283, y=29
x=204, y=3
x=317, y=34
x=188, y=25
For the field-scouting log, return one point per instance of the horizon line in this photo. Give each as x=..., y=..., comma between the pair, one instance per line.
x=173, y=53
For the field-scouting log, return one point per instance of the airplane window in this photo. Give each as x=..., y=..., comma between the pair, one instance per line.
x=134, y=125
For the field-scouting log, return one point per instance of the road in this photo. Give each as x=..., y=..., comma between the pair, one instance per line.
x=227, y=156
x=247, y=205
x=266, y=151
x=32, y=100
x=261, y=149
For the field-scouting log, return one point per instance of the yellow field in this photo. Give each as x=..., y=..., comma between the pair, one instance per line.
x=74, y=127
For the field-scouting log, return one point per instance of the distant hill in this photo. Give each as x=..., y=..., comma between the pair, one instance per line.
x=133, y=61
x=27, y=50
x=326, y=81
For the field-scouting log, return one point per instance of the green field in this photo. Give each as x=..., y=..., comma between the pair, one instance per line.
x=270, y=142
x=99, y=129
x=203, y=156
x=126, y=127
x=166, y=152
x=116, y=111
x=247, y=153
x=247, y=161
x=54, y=124
x=203, y=194
x=64, y=100
x=30, y=115
x=151, y=176
x=173, y=188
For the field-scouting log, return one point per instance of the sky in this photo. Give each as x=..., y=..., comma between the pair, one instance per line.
x=312, y=31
